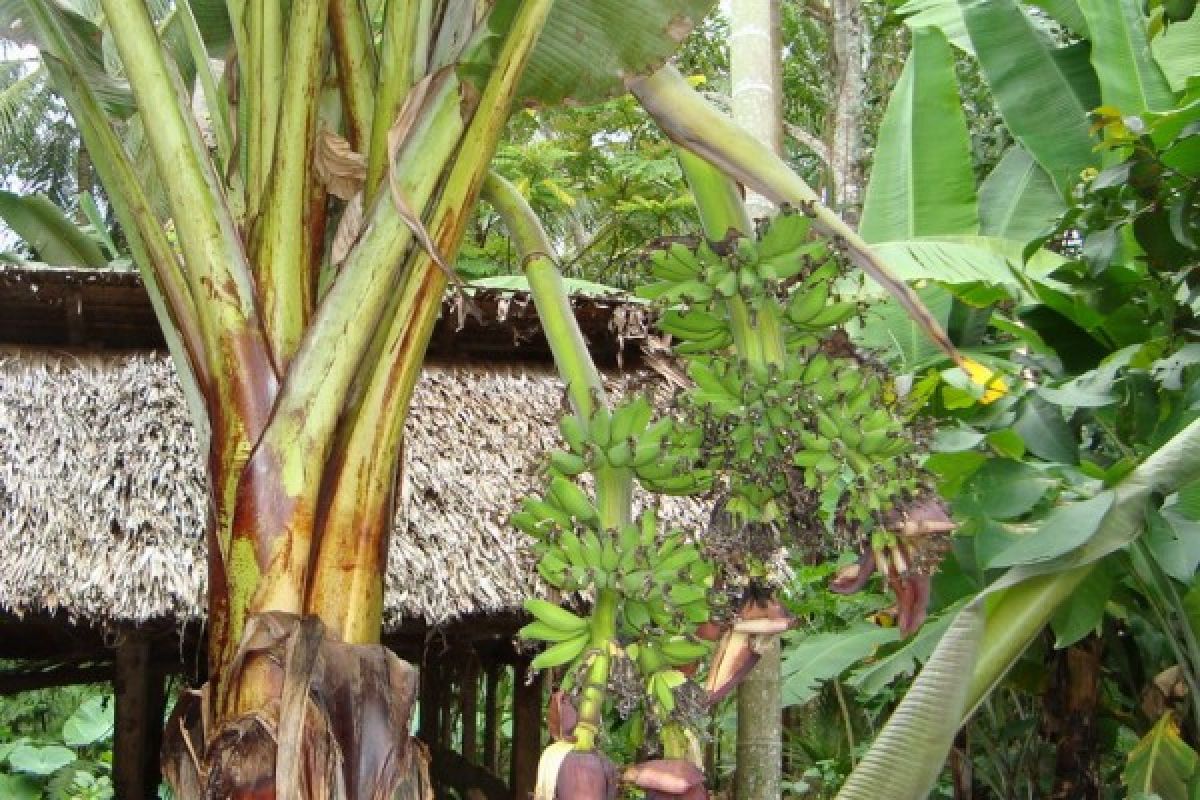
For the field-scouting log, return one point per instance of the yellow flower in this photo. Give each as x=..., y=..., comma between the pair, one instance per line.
x=994, y=386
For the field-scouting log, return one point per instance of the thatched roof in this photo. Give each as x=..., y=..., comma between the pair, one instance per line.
x=102, y=494
x=105, y=308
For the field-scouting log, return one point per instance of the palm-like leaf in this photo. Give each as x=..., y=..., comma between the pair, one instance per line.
x=23, y=104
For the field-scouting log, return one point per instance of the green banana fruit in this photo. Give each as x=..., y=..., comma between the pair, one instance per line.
x=546, y=633
x=568, y=463
x=555, y=615
x=561, y=653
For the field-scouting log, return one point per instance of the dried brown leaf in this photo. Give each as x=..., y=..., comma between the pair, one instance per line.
x=338, y=166
x=348, y=230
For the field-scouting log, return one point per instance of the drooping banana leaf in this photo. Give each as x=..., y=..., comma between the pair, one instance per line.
x=966, y=259
x=590, y=49
x=945, y=15
x=924, y=724
x=922, y=183
x=49, y=232
x=1075, y=60
x=1035, y=94
x=1018, y=200
x=1130, y=79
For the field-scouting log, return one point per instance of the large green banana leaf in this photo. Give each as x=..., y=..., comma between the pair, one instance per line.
x=1177, y=51
x=922, y=183
x=945, y=15
x=1130, y=79
x=590, y=50
x=966, y=259
x=1035, y=93
x=1066, y=13
x=1017, y=200
x=55, y=239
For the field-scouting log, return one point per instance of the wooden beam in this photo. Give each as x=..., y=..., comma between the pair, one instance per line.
x=140, y=701
x=491, y=718
x=53, y=676
x=527, y=730
x=468, y=692
x=468, y=780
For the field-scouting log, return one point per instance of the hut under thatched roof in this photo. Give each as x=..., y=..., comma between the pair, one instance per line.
x=102, y=492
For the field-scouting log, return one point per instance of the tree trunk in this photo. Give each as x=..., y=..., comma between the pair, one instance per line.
x=527, y=731
x=1071, y=703
x=756, y=78
x=757, y=97
x=491, y=718
x=469, y=696
x=760, y=729
x=846, y=116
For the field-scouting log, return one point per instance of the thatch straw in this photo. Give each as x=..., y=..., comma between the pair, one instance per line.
x=102, y=503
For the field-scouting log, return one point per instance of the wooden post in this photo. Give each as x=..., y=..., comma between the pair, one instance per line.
x=468, y=692
x=527, y=730
x=139, y=711
x=491, y=718
x=446, y=698
x=427, y=722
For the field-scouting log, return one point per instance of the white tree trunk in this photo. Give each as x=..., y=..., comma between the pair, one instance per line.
x=757, y=98
x=756, y=78
x=847, y=35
